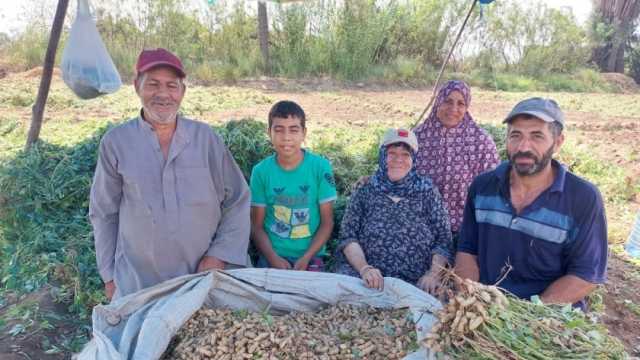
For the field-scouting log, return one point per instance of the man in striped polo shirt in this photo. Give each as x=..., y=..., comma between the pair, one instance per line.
x=532, y=216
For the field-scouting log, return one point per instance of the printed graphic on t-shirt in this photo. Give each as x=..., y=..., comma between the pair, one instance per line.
x=291, y=223
x=330, y=179
x=282, y=213
x=300, y=217
x=281, y=229
x=301, y=231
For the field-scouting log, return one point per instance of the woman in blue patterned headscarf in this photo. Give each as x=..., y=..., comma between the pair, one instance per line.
x=396, y=224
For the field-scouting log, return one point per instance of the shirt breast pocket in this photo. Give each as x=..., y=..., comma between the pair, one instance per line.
x=195, y=187
x=546, y=258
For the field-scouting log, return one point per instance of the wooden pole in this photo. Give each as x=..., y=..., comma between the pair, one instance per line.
x=444, y=65
x=37, y=111
x=263, y=36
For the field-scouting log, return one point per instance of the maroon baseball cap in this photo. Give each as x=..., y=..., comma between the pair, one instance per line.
x=158, y=57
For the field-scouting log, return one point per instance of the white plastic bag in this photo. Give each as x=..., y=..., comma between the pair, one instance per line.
x=140, y=326
x=87, y=67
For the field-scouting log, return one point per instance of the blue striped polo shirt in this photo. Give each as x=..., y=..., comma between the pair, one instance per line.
x=562, y=232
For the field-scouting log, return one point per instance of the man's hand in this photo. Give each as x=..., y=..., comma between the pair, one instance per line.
x=109, y=289
x=279, y=263
x=467, y=266
x=210, y=262
x=372, y=277
x=302, y=264
x=430, y=282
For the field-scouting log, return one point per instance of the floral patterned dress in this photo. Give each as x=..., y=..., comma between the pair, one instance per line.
x=452, y=158
x=399, y=238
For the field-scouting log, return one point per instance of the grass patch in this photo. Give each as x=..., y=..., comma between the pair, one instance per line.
x=601, y=105
x=581, y=81
x=614, y=183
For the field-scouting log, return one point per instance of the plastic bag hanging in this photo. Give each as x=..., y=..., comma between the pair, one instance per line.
x=87, y=67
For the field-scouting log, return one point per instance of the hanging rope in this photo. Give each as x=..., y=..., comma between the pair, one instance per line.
x=444, y=65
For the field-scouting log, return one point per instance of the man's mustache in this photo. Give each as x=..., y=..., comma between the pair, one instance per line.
x=525, y=154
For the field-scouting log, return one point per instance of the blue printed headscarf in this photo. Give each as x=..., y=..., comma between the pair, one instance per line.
x=410, y=185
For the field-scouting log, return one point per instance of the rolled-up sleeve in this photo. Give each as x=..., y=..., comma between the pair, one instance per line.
x=231, y=240
x=468, y=242
x=104, y=207
x=587, y=255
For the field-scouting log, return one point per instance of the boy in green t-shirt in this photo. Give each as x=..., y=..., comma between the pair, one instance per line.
x=292, y=195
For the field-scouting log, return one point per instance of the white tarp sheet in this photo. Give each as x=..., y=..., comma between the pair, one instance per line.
x=140, y=326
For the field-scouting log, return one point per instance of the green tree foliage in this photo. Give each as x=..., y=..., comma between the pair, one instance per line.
x=423, y=29
x=353, y=40
x=28, y=48
x=531, y=39
x=291, y=44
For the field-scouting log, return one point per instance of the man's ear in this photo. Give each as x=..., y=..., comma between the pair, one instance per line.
x=558, y=142
x=184, y=87
x=136, y=84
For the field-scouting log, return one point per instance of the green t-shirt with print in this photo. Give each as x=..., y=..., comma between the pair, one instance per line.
x=292, y=200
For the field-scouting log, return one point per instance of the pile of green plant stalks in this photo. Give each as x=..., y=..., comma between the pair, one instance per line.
x=45, y=234
x=479, y=322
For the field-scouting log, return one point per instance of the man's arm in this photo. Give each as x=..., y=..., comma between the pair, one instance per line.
x=104, y=207
x=466, y=263
x=467, y=266
x=568, y=289
x=231, y=240
x=321, y=236
x=587, y=256
x=210, y=262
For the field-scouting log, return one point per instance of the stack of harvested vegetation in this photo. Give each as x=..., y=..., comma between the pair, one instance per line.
x=482, y=323
x=337, y=332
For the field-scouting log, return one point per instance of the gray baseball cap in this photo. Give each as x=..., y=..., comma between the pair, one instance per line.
x=393, y=136
x=544, y=109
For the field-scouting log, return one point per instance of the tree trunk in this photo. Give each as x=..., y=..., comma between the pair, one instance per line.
x=616, y=51
x=47, y=72
x=620, y=60
x=620, y=15
x=263, y=36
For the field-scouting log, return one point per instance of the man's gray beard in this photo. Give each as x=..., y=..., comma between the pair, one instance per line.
x=153, y=117
x=536, y=167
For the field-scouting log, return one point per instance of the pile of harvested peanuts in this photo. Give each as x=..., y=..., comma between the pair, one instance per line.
x=464, y=314
x=336, y=332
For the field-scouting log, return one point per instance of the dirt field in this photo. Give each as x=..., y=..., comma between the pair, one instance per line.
x=606, y=125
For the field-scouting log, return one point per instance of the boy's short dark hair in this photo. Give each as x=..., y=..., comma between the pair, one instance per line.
x=284, y=109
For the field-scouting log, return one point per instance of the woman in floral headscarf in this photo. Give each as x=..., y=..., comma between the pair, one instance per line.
x=453, y=148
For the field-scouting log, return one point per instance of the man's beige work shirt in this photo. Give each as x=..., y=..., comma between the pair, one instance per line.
x=154, y=219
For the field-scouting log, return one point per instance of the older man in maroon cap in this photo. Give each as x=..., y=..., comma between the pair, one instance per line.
x=167, y=197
